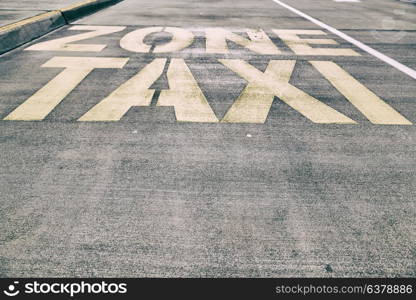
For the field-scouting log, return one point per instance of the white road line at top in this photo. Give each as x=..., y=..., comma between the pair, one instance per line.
x=379, y=55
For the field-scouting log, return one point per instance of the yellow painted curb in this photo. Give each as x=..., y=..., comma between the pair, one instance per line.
x=30, y=20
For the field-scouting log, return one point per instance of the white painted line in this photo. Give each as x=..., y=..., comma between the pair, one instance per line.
x=369, y=50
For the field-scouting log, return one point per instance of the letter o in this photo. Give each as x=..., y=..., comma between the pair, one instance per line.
x=113, y=288
x=45, y=288
x=134, y=41
x=96, y=288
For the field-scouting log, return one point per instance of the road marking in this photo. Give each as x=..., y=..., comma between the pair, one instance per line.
x=63, y=44
x=181, y=39
x=254, y=103
x=134, y=92
x=185, y=95
x=134, y=41
x=369, y=104
x=301, y=46
x=369, y=50
x=216, y=41
x=38, y=106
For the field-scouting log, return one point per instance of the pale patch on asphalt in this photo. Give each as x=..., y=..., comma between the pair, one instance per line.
x=369, y=104
x=38, y=106
x=64, y=44
x=369, y=50
x=301, y=46
x=347, y=0
x=259, y=42
x=254, y=103
x=134, y=92
x=184, y=93
x=134, y=41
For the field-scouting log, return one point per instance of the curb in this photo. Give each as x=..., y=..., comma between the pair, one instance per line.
x=19, y=33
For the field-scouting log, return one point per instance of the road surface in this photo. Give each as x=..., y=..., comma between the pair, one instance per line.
x=179, y=138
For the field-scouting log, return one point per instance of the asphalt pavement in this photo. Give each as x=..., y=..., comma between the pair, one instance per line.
x=14, y=11
x=179, y=138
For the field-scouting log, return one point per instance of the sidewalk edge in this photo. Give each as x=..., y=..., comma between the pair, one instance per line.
x=24, y=31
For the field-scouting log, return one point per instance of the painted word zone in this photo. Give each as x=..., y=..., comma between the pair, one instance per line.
x=215, y=41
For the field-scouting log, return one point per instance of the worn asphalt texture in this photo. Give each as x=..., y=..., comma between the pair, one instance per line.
x=152, y=197
x=12, y=11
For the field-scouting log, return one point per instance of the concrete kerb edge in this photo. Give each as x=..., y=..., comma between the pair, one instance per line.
x=19, y=33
